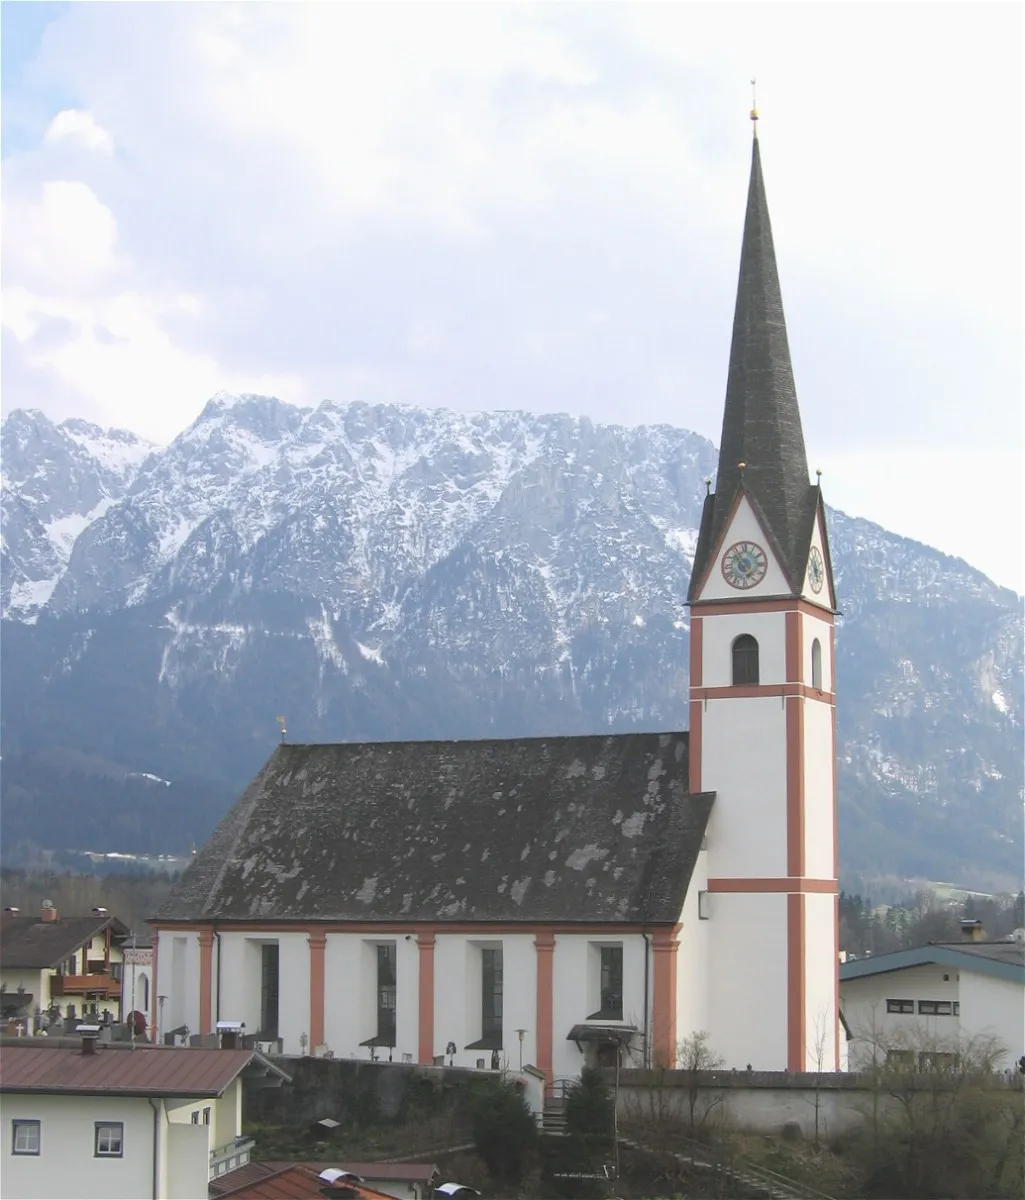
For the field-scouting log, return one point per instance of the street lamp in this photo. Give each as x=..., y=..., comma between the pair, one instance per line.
x=520, y=1034
x=160, y=1019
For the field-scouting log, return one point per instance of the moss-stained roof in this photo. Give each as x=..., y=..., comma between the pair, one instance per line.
x=544, y=829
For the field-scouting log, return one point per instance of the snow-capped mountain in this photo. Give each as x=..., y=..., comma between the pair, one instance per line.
x=384, y=571
x=57, y=480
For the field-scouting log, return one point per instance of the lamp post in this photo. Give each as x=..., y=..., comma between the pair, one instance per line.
x=160, y=1019
x=520, y=1034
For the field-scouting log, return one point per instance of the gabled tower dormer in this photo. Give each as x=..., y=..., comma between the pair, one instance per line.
x=762, y=706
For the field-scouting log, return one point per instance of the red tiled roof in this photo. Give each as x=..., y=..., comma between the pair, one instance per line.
x=411, y=1172
x=298, y=1181
x=140, y=1071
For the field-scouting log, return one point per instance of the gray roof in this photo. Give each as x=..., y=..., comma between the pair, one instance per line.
x=1002, y=960
x=31, y=944
x=580, y=829
x=762, y=421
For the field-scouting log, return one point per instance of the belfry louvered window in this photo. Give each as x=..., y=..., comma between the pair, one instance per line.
x=745, y=660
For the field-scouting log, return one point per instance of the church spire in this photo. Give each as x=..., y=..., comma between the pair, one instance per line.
x=762, y=445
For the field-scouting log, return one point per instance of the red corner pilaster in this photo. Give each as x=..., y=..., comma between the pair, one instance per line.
x=665, y=950
x=318, y=943
x=425, y=1014
x=544, y=946
x=206, y=955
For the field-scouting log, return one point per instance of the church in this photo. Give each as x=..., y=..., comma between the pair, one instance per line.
x=554, y=901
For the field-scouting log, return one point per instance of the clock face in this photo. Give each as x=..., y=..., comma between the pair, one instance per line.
x=816, y=570
x=744, y=564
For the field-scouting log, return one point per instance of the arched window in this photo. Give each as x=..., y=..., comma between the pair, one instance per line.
x=745, y=660
x=816, y=664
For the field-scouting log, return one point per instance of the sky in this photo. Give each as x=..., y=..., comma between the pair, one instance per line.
x=537, y=206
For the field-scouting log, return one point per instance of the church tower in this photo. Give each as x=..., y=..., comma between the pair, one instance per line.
x=762, y=699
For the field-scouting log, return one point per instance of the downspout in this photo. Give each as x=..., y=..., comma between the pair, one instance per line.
x=155, y=1105
x=647, y=1007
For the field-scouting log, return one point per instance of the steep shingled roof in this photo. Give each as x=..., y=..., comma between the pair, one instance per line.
x=30, y=943
x=541, y=829
x=761, y=422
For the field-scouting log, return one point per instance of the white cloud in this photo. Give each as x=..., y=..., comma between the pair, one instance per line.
x=73, y=125
x=529, y=205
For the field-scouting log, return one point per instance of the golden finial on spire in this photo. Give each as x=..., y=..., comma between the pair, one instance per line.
x=754, y=108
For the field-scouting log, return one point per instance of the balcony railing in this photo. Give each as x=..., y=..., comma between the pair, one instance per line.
x=230, y=1157
x=82, y=985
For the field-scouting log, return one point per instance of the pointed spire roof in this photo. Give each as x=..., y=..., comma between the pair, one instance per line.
x=761, y=423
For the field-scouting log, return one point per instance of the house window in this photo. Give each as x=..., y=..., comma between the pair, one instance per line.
x=938, y=1060
x=109, y=1139
x=611, y=983
x=745, y=660
x=24, y=1137
x=206, y=1116
x=957, y=1008
x=935, y=1008
x=491, y=997
x=386, y=986
x=269, y=991
x=816, y=664
x=903, y=1059
x=195, y=1117
x=900, y=1006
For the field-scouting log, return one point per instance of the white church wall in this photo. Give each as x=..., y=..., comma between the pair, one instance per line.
x=342, y=1031
x=820, y=969
x=696, y=941
x=748, y=980
x=813, y=628
x=240, y=981
x=180, y=983
x=744, y=762
x=819, y=817
x=407, y=998
x=720, y=632
x=744, y=527
x=293, y=990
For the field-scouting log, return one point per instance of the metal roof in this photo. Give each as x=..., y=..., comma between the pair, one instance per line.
x=142, y=1070
x=1001, y=960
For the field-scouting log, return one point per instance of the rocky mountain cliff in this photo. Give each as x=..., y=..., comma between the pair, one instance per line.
x=384, y=571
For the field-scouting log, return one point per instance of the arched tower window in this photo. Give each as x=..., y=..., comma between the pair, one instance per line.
x=816, y=664
x=745, y=660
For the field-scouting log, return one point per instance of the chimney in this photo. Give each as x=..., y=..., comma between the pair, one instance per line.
x=230, y=1034
x=972, y=931
x=90, y=1035
x=49, y=913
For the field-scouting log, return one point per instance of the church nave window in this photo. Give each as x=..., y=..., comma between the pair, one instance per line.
x=386, y=986
x=491, y=997
x=745, y=660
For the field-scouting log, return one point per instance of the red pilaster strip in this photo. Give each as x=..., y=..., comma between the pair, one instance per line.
x=694, y=748
x=795, y=983
x=665, y=948
x=425, y=1014
x=206, y=944
x=318, y=942
x=544, y=947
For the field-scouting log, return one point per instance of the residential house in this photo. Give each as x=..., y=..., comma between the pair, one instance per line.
x=54, y=967
x=915, y=1005
x=299, y=1181
x=87, y=1119
x=552, y=900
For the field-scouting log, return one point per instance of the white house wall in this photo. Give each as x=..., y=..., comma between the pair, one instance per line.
x=993, y=1007
x=875, y=1030
x=66, y=1164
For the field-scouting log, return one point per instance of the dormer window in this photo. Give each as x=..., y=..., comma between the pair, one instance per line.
x=745, y=660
